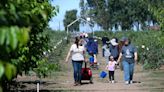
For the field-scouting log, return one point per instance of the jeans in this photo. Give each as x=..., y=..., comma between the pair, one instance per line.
x=128, y=70
x=77, y=67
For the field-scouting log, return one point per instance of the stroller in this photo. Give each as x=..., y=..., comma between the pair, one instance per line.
x=92, y=62
x=87, y=74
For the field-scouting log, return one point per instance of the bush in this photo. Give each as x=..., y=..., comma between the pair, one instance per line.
x=22, y=38
x=51, y=57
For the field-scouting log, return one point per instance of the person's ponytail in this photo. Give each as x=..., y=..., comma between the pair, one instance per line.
x=77, y=42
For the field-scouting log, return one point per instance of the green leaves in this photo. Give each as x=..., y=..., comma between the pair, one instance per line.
x=108, y=13
x=2, y=36
x=44, y=15
x=13, y=37
x=24, y=35
x=156, y=7
x=21, y=23
x=70, y=16
x=7, y=69
x=1, y=69
x=10, y=39
x=10, y=71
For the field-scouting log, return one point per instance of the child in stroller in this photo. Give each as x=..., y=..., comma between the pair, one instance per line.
x=92, y=61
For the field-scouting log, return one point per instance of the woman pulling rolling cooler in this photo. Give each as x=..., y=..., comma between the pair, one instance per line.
x=77, y=51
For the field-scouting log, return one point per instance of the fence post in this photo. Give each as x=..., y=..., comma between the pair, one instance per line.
x=37, y=87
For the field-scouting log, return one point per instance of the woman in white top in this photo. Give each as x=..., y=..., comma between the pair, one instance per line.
x=77, y=51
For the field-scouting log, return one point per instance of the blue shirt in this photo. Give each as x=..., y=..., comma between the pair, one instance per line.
x=128, y=53
x=114, y=51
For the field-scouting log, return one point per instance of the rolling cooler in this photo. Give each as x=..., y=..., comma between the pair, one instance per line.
x=86, y=74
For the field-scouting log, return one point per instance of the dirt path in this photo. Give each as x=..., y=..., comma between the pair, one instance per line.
x=64, y=81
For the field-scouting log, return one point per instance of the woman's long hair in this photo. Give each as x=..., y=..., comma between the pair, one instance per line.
x=77, y=42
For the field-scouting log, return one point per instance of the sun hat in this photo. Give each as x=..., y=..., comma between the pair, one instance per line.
x=113, y=42
x=86, y=35
x=107, y=42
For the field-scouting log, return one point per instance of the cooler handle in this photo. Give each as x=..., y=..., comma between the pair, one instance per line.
x=85, y=65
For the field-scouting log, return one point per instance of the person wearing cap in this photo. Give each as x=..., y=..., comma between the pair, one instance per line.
x=120, y=45
x=114, y=49
x=129, y=57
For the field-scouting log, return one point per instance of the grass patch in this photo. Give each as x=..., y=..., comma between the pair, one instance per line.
x=159, y=74
x=155, y=80
x=157, y=90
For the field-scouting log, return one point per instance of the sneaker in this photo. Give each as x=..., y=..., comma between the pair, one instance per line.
x=131, y=82
x=75, y=84
x=79, y=84
x=126, y=82
x=113, y=81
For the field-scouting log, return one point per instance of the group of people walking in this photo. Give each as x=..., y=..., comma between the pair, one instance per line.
x=114, y=51
x=123, y=53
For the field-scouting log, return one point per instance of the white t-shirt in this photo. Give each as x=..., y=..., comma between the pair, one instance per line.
x=77, y=53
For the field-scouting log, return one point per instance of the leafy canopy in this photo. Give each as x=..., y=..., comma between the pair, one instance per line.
x=71, y=16
x=22, y=38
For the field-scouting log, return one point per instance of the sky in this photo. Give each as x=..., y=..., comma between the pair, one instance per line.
x=64, y=5
x=56, y=22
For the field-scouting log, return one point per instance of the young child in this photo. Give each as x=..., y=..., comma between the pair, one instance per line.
x=93, y=61
x=111, y=68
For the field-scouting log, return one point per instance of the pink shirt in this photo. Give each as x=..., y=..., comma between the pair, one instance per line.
x=111, y=65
